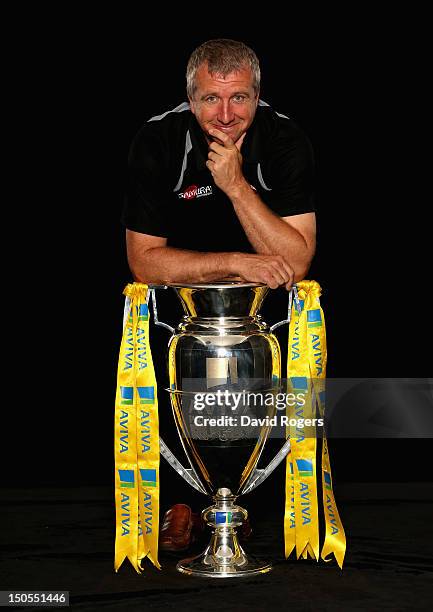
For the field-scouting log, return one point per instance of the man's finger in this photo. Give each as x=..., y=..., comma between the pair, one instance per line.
x=284, y=266
x=288, y=268
x=279, y=275
x=225, y=138
x=218, y=148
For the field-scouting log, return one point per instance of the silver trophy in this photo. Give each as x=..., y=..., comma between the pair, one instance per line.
x=223, y=359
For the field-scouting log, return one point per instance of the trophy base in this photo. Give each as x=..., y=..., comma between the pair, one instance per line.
x=207, y=566
x=224, y=557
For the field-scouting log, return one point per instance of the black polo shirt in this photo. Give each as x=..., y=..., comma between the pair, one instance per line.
x=171, y=192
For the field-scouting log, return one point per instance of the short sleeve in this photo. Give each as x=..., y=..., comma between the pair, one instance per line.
x=289, y=175
x=146, y=200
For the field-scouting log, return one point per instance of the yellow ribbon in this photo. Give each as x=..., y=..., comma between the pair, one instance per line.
x=306, y=371
x=136, y=438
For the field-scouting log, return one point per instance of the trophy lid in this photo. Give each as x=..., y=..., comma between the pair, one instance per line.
x=228, y=299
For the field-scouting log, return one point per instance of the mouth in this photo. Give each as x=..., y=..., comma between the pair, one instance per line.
x=225, y=128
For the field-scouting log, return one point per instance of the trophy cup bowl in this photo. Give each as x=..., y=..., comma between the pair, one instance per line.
x=222, y=354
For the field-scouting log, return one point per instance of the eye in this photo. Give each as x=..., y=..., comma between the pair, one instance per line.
x=239, y=98
x=211, y=99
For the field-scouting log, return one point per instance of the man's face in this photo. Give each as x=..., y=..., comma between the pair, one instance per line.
x=227, y=103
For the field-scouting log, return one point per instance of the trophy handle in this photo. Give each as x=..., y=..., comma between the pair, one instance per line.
x=186, y=473
x=155, y=310
x=259, y=475
x=293, y=295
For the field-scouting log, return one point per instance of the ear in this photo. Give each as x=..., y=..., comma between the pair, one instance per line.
x=191, y=105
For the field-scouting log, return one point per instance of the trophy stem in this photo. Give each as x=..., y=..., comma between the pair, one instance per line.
x=224, y=557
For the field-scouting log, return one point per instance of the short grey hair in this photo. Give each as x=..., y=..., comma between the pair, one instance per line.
x=222, y=56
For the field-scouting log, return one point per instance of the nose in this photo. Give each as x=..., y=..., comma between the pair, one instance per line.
x=225, y=112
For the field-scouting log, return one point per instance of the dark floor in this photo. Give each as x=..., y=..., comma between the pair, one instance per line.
x=62, y=539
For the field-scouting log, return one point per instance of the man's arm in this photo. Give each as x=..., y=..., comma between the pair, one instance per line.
x=152, y=262
x=294, y=237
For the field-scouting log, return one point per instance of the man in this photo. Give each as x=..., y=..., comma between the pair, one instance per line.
x=220, y=187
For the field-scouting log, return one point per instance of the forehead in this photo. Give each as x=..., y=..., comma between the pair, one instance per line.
x=241, y=79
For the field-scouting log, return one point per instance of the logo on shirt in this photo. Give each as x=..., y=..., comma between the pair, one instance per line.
x=195, y=192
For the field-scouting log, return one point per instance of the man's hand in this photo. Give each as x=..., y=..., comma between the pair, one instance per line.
x=225, y=162
x=272, y=270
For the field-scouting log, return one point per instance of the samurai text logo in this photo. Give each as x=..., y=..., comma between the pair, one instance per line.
x=195, y=192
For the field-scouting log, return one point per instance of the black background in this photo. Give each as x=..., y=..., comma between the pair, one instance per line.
x=91, y=85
